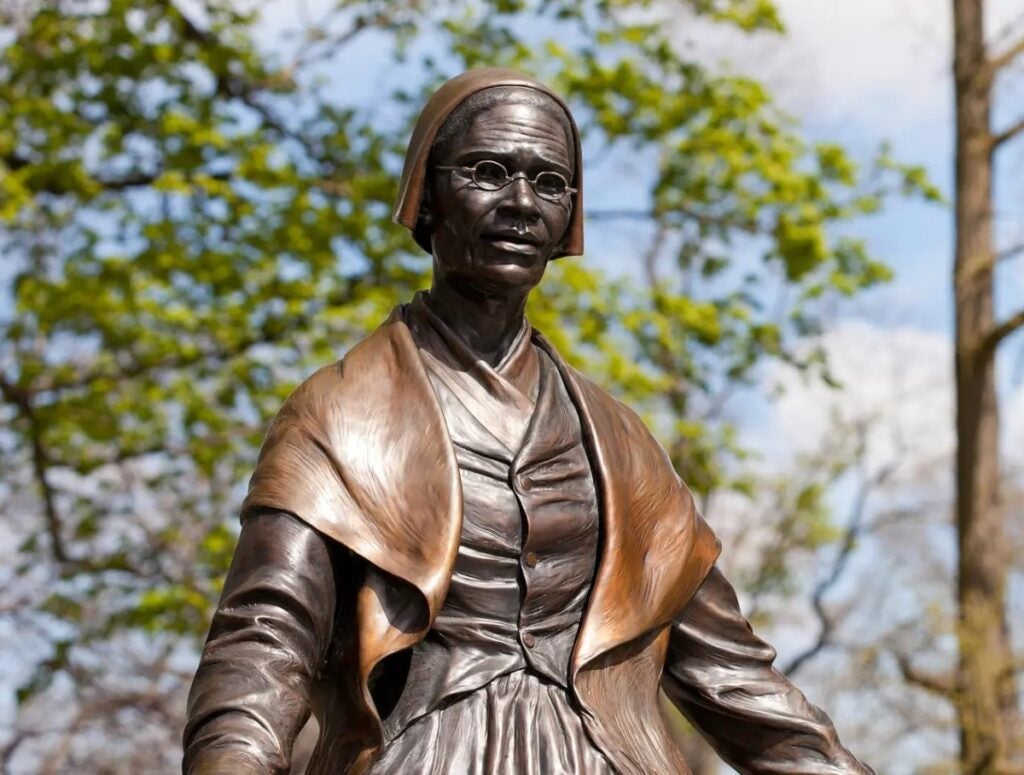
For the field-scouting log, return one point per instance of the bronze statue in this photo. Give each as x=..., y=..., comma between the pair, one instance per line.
x=461, y=554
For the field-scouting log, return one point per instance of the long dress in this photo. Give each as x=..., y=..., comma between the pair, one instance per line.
x=487, y=689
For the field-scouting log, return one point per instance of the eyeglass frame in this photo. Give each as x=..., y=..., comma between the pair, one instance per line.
x=511, y=177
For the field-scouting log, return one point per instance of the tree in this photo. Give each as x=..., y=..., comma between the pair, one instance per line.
x=192, y=221
x=987, y=701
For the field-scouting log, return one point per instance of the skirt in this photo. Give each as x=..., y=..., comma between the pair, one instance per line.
x=518, y=724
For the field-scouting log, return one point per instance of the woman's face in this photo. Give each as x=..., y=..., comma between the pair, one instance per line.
x=497, y=242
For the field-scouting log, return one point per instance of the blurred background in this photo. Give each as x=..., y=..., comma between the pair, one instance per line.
x=786, y=275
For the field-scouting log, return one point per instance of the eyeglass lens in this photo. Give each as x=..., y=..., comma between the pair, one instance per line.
x=492, y=175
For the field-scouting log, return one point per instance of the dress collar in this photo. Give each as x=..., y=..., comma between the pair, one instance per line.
x=514, y=379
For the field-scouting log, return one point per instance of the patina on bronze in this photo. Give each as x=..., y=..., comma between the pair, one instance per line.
x=457, y=551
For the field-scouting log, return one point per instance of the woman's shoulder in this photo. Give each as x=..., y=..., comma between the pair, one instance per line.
x=366, y=369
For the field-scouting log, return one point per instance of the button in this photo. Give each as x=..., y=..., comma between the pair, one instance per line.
x=531, y=559
x=528, y=640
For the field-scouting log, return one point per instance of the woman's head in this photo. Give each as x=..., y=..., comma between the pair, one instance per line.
x=497, y=201
x=470, y=119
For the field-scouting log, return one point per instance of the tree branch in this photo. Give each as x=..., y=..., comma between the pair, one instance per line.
x=854, y=530
x=1010, y=252
x=320, y=47
x=191, y=31
x=1008, y=32
x=984, y=263
x=19, y=737
x=1001, y=60
x=1009, y=133
x=14, y=163
x=702, y=219
x=1001, y=331
x=40, y=465
x=941, y=685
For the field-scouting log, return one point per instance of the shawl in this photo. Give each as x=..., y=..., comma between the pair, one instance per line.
x=360, y=451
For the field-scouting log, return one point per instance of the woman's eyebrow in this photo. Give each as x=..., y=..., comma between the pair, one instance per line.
x=485, y=153
x=539, y=161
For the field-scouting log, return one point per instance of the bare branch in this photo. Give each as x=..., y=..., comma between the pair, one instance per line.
x=1011, y=252
x=1001, y=331
x=190, y=30
x=40, y=465
x=941, y=685
x=701, y=218
x=984, y=263
x=1013, y=667
x=1009, y=133
x=1001, y=60
x=678, y=391
x=320, y=47
x=855, y=528
x=9, y=749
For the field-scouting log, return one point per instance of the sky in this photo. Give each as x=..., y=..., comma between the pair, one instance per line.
x=875, y=70
x=871, y=71
x=861, y=72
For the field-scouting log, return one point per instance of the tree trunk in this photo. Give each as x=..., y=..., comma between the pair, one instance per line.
x=986, y=697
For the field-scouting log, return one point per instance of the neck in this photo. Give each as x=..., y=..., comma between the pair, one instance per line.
x=487, y=323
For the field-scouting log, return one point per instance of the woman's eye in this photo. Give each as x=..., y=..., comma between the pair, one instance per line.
x=550, y=183
x=490, y=172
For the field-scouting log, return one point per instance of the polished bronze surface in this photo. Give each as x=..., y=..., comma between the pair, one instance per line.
x=461, y=554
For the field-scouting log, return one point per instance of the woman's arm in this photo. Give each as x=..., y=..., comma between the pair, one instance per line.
x=720, y=676
x=267, y=641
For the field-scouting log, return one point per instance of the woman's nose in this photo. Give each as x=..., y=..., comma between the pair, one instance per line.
x=521, y=199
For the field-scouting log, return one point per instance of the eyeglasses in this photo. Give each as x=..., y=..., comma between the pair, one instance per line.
x=492, y=176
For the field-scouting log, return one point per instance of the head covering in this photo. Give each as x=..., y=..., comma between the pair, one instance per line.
x=437, y=110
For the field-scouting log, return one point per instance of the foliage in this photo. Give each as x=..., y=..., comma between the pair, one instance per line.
x=191, y=221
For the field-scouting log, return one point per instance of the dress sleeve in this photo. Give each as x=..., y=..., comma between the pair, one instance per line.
x=268, y=639
x=720, y=676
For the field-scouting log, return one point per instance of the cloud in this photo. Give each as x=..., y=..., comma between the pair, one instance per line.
x=873, y=60
x=877, y=65
x=896, y=380
x=897, y=383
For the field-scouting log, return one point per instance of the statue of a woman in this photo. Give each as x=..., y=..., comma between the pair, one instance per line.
x=462, y=555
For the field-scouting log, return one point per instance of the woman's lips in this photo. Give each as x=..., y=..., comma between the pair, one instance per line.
x=524, y=248
x=524, y=244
